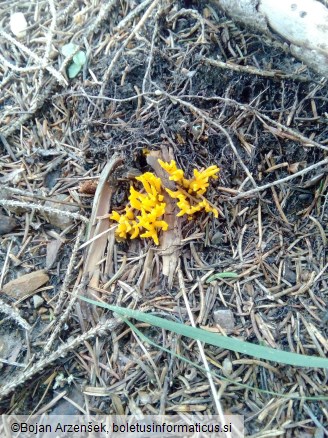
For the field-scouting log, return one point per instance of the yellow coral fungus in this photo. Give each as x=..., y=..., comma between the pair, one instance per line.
x=200, y=182
x=196, y=187
x=143, y=215
x=176, y=174
x=151, y=183
x=150, y=206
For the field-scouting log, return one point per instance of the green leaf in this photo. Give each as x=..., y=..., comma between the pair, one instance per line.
x=69, y=49
x=80, y=58
x=228, y=343
x=221, y=275
x=73, y=70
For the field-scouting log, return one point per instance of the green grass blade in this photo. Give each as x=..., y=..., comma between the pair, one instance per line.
x=232, y=344
x=144, y=338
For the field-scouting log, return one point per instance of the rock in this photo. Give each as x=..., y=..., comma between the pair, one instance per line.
x=225, y=319
x=25, y=284
x=37, y=301
x=18, y=24
x=302, y=24
x=7, y=224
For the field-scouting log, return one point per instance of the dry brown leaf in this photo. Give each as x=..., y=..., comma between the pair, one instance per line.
x=294, y=167
x=26, y=284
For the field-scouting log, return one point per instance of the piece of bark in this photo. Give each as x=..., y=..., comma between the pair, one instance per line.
x=96, y=250
x=7, y=224
x=101, y=206
x=26, y=284
x=170, y=241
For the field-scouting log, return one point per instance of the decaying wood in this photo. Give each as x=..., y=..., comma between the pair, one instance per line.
x=171, y=239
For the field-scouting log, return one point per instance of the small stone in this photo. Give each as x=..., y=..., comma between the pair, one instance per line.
x=25, y=284
x=227, y=366
x=31, y=319
x=37, y=301
x=217, y=238
x=18, y=24
x=7, y=224
x=225, y=319
x=45, y=317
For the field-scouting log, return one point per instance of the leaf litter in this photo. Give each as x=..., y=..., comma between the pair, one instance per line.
x=185, y=83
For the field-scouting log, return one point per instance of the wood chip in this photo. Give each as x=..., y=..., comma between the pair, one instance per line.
x=37, y=301
x=26, y=284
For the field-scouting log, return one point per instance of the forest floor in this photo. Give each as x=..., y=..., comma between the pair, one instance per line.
x=181, y=81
